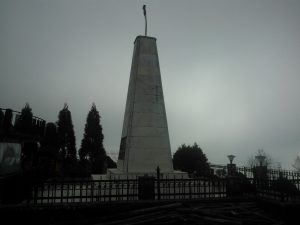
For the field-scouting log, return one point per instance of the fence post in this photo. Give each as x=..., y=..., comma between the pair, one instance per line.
x=158, y=182
x=61, y=192
x=190, y=190
x=35, y=194
x=110, y=190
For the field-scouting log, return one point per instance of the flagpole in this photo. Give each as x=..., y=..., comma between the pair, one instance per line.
x=145, y=15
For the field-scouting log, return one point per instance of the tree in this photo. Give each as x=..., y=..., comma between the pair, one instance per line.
x=110, y=163
x=296, y=164
x=24, y=122
x=26, y=118
x=92, y=143
x=30, y=149
x=29, y=155
x=284, y=185
x=1, y=119
x=191, y=159
x=48, y=157
x=66, y=137
x=7, y=121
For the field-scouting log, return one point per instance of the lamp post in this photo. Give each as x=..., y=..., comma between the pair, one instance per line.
x=231, y=168
x=260, y=159
x=261, y=171
x=232, y=184
x=231, y=157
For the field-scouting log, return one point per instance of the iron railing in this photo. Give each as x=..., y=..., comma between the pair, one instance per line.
x=74, y=191
x=85, y=191
x=272, y=174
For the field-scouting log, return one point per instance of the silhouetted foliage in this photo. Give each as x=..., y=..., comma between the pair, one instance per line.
x=84, y=168
x=238, y=184
x=1, y=119
x=66, y=136
x=284, y=185
x=110, y=163
x=7, y=122
x=49, y=152
x=191, y=159
x=296, y=164
x=29, y=156
x=24, y=122
x=66, y=140
x=92, y=143
x=51, y=136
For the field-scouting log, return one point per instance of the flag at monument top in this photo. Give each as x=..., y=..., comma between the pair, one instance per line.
x=145, y=15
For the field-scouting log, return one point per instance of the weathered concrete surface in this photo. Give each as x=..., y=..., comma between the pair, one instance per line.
x=145, y=141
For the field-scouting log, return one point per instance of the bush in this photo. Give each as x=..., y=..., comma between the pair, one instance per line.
x=284, y=185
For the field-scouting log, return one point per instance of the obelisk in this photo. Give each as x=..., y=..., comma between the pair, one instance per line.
x=145, y=143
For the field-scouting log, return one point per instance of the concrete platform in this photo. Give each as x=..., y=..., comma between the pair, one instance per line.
x=118, y=174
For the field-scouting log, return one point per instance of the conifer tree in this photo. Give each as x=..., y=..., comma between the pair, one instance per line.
x=92, y=143
x=66, y=136
x=24, y=123
x=1, y=119
x=49, y=151
x=7, y=121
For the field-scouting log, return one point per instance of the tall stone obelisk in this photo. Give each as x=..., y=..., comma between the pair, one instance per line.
x=145, y=143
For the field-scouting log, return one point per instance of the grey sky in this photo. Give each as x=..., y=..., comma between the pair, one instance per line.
x=230, y=68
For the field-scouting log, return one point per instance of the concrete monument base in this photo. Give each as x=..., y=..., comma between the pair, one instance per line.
x=118, y=174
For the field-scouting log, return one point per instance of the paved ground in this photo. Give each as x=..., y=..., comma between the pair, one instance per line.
x=194, y=213
x=153, y=212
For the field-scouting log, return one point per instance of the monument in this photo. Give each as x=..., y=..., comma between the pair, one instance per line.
x=145, y=143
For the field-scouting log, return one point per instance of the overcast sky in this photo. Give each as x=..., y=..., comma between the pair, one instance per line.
x=230, y=68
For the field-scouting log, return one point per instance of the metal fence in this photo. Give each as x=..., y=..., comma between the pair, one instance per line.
x=282, y=189
x=280, y=186
x=127, y=190
x=277, y=196
x=191, y=188
x=275, y=174
x=271, y=173
x=246, y=171
x=85, y=191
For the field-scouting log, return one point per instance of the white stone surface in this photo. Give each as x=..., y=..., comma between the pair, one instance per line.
x=145, y=136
